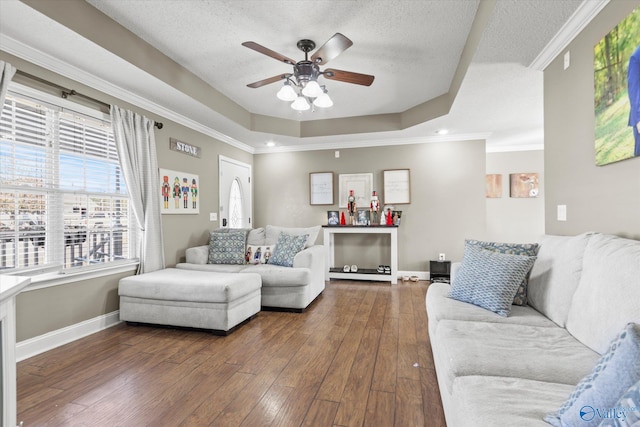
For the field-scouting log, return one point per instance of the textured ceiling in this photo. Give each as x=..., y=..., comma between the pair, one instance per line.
x=412, y=47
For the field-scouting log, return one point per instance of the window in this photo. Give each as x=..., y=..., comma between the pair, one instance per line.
x=235, y=205
x=63, y=201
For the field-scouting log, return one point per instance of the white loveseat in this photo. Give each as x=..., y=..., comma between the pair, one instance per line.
x=290, y=288
x=512, y=371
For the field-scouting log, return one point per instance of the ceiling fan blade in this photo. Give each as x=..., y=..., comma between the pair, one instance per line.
x=266, y=51
x=270, y=80
x=332, y=48
x=348, y=77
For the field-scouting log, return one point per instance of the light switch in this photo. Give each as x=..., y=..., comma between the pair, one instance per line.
x=213, y=216
x=562, y=212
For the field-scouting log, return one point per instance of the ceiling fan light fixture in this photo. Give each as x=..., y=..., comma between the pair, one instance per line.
x=286, y=92
x=300, y=104
x=323, y=101
x=312, y=89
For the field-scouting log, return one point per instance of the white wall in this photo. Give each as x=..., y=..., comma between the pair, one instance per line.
x=516, y=220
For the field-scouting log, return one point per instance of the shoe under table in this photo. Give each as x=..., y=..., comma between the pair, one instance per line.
x=189, y=298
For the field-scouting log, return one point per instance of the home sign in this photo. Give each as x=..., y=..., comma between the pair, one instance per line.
x=183, y=147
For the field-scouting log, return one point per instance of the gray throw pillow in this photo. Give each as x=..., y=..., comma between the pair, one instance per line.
x=286, y=249
x=530, y=249
x=489, y=279
x=227, y=248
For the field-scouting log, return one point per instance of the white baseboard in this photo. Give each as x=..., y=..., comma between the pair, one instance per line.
x=40, y=344
x=422, y=275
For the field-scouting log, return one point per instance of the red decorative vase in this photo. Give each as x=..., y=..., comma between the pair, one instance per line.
x=342, y=220
x=389, y=220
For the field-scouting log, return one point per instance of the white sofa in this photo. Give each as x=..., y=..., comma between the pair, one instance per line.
x=512, y=371
x=289, y=288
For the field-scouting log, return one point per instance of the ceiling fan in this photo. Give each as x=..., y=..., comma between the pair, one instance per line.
x=306, y=72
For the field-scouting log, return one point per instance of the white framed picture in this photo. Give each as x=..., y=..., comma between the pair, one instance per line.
x=360, y=183
x=397, y=186
x=179, y=192
x=321, y=188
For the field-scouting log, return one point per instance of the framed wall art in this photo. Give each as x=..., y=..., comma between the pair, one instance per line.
x=360, y=183
x=321, y=188
x=523, y=185
x=493, y=186
x=179, y=192
x=397, y=186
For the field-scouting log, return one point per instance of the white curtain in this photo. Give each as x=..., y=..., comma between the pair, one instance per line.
x=6, y=74
x=136, y=146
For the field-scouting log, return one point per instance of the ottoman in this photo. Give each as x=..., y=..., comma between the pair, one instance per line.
x=189, y=298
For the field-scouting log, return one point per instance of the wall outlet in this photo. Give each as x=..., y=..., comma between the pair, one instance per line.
x=213, y=216
x=441, y=257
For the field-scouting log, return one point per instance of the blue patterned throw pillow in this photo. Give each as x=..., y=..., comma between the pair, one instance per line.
x=227, y=248
x=626, y=411
x=489, y=279
x=286, y=249
x=529, y=249
x=595, y=396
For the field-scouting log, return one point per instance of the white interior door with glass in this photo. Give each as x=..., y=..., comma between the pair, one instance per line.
x=235, y=193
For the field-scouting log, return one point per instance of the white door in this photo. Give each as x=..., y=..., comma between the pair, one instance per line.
x=235, y=193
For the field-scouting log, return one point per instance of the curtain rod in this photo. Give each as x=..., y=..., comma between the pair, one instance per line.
x=66, y=93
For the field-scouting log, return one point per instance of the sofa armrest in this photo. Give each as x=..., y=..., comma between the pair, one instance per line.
x=309, y=257
x=455, y=266
x=197, y=255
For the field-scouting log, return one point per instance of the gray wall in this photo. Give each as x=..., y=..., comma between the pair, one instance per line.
x=45, y=310
x=606, y=198
x=516, y=220
x=447, y=197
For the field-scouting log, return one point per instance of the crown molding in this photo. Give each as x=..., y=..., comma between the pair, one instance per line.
x=44, y=60
x=373, y=143
x=582, y=16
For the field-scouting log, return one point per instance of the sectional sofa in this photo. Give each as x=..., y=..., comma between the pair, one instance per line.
x=516, y=370
x=290, y=288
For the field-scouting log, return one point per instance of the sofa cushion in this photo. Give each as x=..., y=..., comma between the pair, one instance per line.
x=529, y=249
x=488, y=401
x=616, y=371
x=218, y=268
x=518, y=351
x=628, y=406
x=272, y=233
x=173, y=284
x=440, y=306
x=490, y=279
x=275, y=275
x=256, y=236
x=608, y=295
x=227, y=248
x=555, y=275
x=286, y=248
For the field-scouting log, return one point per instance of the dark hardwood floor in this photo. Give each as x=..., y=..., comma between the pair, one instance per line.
x=360, y=355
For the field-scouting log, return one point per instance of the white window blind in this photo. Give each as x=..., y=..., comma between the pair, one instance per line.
x=63, y=200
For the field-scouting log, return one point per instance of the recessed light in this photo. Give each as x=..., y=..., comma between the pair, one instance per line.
x=442, y=131
x=270, y=144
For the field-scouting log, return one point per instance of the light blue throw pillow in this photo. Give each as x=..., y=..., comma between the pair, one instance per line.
x=286, y=249
x=489, y=279
x=626, y=411
x=530, y=249
x=227, y=248
x=596, y=394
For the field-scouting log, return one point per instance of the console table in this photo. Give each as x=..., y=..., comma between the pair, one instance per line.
x=335, y=273
x=10, y=286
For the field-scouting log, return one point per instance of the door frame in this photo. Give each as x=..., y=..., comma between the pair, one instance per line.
x=226, y=159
